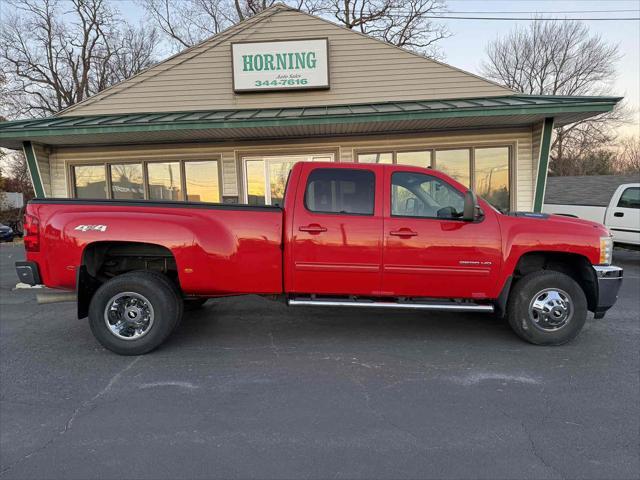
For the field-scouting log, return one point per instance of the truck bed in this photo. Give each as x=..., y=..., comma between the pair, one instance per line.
x=219, y=249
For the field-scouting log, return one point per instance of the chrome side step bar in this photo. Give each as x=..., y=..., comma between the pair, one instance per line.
x=436, y=306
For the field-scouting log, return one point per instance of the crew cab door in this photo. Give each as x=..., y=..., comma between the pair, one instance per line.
x=623, y=214
x=428, y=250
x=336, y=237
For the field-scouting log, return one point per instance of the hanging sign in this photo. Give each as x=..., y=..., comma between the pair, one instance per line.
x=280, y=65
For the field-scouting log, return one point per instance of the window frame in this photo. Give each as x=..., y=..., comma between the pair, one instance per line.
x=392, y=215
x=147, y=187
x=183, y=175
x=512, y=147
x=72, y=177
x=321, y=212
x=264, y=156
x=394, y=154
x=181, y=160
x=143, y=170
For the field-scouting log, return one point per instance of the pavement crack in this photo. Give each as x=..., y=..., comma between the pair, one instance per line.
x=68, y=424
x=533, y=447
x=272, y=343
x=97, y=396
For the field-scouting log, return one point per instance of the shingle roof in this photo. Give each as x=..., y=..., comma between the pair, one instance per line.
x=595, y=190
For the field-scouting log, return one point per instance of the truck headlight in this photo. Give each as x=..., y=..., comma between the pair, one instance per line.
x=606, y=250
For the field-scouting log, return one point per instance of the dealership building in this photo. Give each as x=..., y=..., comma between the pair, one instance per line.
x=225, y=120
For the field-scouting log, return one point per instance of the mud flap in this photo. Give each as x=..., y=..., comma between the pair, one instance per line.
x=86, y=286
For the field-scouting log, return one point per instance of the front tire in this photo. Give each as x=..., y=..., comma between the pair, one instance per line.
x=134, y=313
x=547, y=308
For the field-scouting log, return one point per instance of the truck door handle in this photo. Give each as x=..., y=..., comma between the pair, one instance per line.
x=313, y=228
x=403, y=232
x=618, y=214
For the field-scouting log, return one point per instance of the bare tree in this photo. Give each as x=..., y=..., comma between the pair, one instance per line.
x=188, y=22
x=560, y=58
x=628, y=160
x=56, y=53
x=16, y=175
x=405, y=23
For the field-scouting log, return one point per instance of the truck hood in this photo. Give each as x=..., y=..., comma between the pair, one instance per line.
x=560, y=220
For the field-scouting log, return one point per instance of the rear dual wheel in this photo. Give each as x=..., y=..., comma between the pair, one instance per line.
x=134, y=313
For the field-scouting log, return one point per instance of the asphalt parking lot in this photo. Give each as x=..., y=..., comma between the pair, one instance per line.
x=247, y=388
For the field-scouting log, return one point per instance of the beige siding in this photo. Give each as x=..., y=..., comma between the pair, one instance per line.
x=362, y=70
x=42, y=159
x=519, y=139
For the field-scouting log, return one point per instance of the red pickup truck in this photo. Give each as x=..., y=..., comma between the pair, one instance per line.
x=348, y=235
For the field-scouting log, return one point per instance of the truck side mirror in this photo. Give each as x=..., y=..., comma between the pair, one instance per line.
x=471, y=207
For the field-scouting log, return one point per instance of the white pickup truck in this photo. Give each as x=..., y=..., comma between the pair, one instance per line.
x=582, y=197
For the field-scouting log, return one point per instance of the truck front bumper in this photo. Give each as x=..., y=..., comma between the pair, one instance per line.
x=28, y=273
x=609, y=279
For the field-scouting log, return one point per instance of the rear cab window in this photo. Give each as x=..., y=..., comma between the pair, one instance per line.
x=340, y=191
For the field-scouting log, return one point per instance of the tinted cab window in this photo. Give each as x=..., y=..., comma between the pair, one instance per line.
x=630, y=198
x=334, y=190
x=420, y=195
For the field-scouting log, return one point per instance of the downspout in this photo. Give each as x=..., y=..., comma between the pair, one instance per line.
x=543, y=164
x=34, y=169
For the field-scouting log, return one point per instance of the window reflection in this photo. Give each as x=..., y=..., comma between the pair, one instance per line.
x=278, y=173
x=202, y=181
x=386, y=157
x=415, y=159
x=255, y=182
x=266, y=177
x=90, y=181
x=164, y=181
x=492, y=175
x=456, y=164
x=126, y=181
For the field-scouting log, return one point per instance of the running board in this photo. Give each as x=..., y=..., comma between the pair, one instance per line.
x=437, y=306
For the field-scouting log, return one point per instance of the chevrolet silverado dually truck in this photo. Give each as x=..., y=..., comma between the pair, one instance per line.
x=347, y=235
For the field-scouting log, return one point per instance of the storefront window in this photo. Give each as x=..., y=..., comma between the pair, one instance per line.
x=492, y=175
x=202, y=181
x=386, y=157
x=415, y=159
x=126, y=181
x=255, y=182
x=456, y=164
x=278, y=173
x=266, y=177
x=164, y=181
x=90, y=181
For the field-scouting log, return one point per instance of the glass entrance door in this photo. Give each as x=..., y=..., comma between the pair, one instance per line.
x=265, y=177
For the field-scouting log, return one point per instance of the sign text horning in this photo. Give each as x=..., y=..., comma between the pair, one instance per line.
x=281, y=65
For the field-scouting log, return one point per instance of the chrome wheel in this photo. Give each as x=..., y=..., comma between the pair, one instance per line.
x=129, y=316
x=551, y=309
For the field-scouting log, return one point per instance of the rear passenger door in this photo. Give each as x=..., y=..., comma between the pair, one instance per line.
x=337, y=231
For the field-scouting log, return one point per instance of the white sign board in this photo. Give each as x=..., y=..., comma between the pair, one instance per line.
x=281, y=65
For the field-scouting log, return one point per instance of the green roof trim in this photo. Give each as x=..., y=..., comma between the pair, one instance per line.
x=543, y=164
x=34, y=170
x=513, y=105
